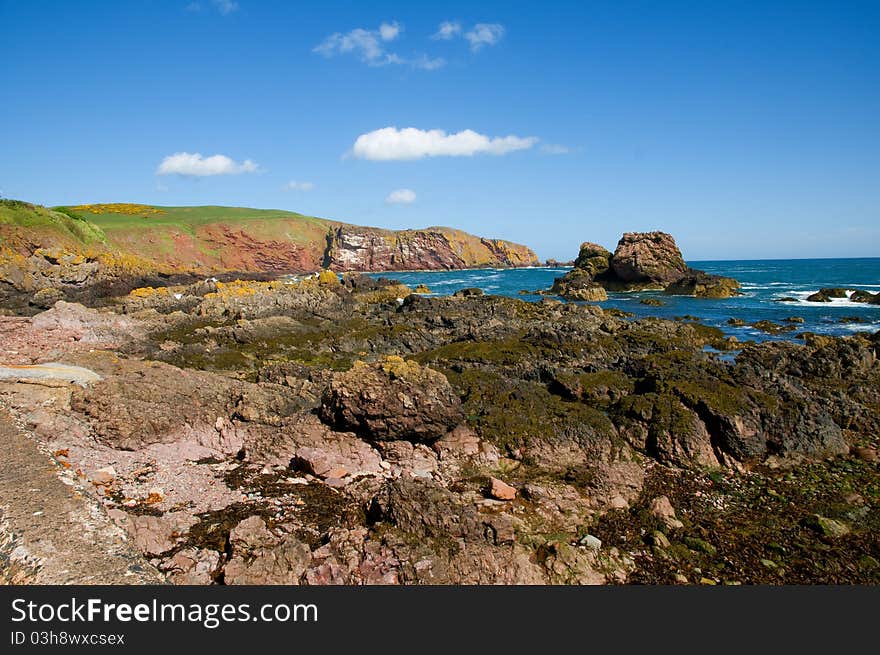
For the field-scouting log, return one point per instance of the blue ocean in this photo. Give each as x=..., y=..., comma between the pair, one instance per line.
x=764, y=282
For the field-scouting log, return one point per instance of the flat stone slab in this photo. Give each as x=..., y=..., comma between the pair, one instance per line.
x=50, y=371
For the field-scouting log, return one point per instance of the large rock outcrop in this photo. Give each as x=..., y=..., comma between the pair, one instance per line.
x=648, y=257
x=642, y=260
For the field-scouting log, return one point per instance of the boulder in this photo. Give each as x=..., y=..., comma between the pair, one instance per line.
x=500, y=490
x=578, y=284
x=592, y=293
x=393, y=399
x=662, y=509
x=648, y=257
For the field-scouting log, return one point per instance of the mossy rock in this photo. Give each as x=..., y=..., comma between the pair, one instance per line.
x=771, y=328
x=700, y=545
x=602, y=387
x=827, y=527
x=514, y=413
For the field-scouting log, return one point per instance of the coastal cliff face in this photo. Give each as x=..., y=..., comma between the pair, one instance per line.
x=93, y=250
x=359, y=249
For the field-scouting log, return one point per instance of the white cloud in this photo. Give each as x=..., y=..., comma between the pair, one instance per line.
x=390, y=143
x=484, y=34
x=390, y=31
x=366, y=44
x=362, y=42
x=293, y=185
x=447, y=30
x=225, y=7
x=554, y=149
x=401, y=197
x=369, y=47
x=195, y=165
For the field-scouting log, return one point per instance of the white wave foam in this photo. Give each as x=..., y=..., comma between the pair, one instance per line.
x=446, y=283
x=834, y=302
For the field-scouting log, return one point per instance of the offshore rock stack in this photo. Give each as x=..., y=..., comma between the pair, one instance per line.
x=642, y=261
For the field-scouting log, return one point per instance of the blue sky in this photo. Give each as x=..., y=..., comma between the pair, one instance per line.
x=746, y=129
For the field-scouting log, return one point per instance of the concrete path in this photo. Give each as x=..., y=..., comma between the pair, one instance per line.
x=50, y=531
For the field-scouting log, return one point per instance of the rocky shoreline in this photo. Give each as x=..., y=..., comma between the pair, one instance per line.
x=346, y=430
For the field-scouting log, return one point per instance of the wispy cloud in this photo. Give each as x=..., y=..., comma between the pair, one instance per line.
x=370, y=46
x=293, y=185
x=555, y=149
x=427, y=63
x=483, y=34
x=447, y=30
x=195, y=165
x=401, y=197
x=391, y=144
x=224, y=7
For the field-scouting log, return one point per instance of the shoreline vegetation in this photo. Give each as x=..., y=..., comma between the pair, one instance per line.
x=214, y=429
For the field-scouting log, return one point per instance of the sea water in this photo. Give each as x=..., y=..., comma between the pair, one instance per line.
x=764, y=282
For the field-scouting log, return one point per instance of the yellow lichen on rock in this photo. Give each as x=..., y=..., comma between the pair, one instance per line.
x=328, y=278
x=149, y=292
x=391, y=292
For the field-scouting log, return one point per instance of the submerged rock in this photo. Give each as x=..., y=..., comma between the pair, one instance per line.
x=862, y=296
x=827, y=294
x=704, y=285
